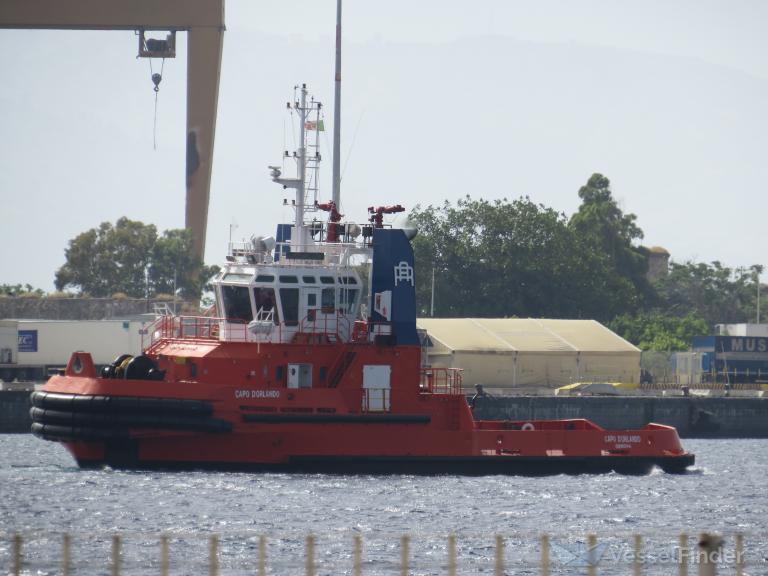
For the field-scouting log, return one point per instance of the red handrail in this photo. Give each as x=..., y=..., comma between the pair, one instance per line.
x=440, y=380
x=208, y=328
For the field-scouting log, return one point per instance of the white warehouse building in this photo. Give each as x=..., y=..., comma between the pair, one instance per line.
x=512, y=354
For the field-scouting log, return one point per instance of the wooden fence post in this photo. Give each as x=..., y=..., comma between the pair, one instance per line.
x=405, y=542
x=591, y=547
x=213, y=555
x=357, y=558
x=17, y=559
x=684, y=554
x=637, y=565
x=310, y=556
x=115, y=555
x=66, y=558
x=262, y=555
x=163, y=555
x=499, y=569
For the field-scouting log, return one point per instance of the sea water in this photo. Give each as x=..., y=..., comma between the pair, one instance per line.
x=43, y=495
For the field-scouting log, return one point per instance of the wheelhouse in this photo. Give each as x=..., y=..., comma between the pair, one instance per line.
x=275, y=302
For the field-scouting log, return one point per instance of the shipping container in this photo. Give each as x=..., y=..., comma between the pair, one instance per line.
x=51, y=342
x=9, y=336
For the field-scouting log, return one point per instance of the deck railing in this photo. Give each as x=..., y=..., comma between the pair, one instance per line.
x=543, y=554
x=332, y=328
x=440, y=380
x=338, y=326
x=192, y=328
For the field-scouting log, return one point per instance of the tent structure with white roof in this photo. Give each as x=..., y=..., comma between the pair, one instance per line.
x=517, y=353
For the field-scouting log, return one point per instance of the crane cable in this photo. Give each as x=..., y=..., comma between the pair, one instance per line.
x=157, y=77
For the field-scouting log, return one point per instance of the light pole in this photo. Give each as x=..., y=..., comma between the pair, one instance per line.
x=432, y=298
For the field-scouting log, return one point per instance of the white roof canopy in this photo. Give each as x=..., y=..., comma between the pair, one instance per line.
x=524, y=335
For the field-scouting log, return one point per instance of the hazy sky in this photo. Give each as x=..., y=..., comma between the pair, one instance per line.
x=493, y=98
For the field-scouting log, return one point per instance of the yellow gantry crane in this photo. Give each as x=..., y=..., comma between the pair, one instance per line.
x=202, y=20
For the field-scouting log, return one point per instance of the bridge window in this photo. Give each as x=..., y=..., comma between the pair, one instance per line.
x=289, y=298
x=328, y=300
x=237, y=277
x=347, y=299
x=327, y=280
x=265, y=278
x=308, y=279
x=289, y=279
x=237, y=303
x=265, y=302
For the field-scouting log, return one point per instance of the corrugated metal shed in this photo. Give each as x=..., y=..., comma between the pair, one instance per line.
x=527, y=352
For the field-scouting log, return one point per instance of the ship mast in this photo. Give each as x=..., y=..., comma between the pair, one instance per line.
x=300, y=239
x=302, y=161
x=336, y=197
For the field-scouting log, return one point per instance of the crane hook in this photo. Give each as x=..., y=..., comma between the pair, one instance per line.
x=156, y=79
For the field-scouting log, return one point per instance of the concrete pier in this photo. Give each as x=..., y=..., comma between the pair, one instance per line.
x=692, y=416
x=14, y=411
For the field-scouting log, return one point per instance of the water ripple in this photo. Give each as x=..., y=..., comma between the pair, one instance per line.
x=44, y=495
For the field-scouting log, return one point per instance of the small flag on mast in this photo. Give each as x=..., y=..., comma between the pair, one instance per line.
x=314, y=125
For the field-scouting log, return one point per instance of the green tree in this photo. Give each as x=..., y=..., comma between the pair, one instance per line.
x=109, y=259
x=20, y=290
x=129, y=257
x=174, y=265
x=659, y=332
x=610, y=232
x=506, y=258
x=717, y=293
x=519, y=258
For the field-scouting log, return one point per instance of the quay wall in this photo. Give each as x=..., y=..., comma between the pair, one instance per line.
x=694, y=417
x=14, y=411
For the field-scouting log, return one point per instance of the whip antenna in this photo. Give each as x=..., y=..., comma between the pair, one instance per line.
x=336, y=196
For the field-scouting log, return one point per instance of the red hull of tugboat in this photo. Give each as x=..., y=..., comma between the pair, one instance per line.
x=235, y=424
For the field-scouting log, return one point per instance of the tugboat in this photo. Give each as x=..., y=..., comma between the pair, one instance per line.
x=308, y=367
x=295, y=374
